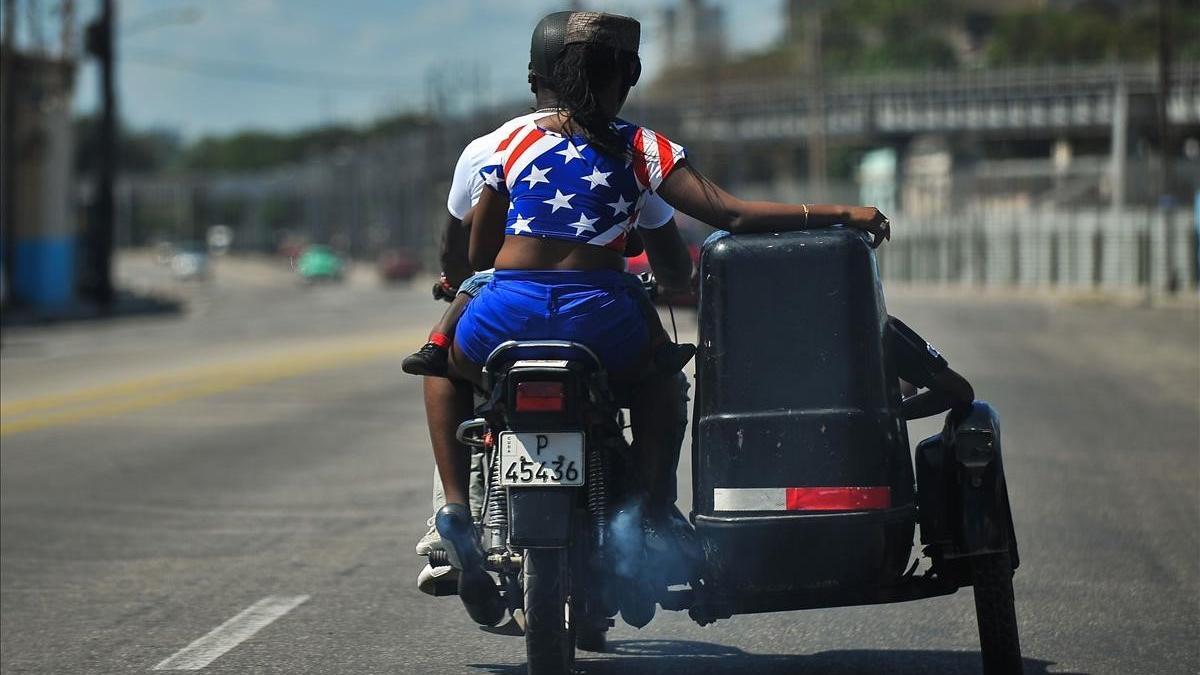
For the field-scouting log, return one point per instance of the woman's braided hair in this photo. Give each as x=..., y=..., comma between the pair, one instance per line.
x=581, y=71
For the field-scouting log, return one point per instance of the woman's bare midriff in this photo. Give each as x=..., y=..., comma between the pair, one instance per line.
x=534, y=253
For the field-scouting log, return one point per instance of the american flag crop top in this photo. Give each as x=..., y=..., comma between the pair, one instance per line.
x=559, y=187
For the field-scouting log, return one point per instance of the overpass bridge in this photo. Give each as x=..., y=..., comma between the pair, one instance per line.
x=1019, y=104
x=749, y=135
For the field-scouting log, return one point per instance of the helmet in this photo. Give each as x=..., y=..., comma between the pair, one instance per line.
x=555, y=31
x=547, y=44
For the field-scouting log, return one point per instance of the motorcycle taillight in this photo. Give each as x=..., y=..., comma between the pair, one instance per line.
x=540, y=397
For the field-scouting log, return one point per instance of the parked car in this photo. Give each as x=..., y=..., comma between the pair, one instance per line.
x=291, y=247
x=189, y=261
x=319, y=263
x=397, y=264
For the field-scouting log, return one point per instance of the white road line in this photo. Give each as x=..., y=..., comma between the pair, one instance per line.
x=232, y=633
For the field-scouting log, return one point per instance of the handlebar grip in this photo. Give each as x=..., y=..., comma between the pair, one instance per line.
x=649, y=284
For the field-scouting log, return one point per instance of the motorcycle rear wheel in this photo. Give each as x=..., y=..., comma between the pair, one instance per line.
x=549, y=640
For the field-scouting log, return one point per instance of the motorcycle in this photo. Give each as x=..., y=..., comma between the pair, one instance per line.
x=804, y=489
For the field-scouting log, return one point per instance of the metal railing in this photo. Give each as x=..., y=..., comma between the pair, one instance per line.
x=1079, y=249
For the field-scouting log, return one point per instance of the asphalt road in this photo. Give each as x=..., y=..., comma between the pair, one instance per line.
x=160, y=477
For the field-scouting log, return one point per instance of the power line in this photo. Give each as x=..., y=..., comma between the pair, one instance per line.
x=177, y=16
x=262, y=73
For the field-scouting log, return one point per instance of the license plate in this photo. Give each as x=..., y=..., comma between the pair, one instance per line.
x=541, y=459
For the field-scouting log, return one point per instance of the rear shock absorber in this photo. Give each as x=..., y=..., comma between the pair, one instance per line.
x=495, y=518
x=597, y=494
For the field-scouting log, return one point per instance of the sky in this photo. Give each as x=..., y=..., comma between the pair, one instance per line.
x=214, y=66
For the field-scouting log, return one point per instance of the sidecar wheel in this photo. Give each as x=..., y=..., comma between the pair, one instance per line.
x=549, y=641
x=996, y=614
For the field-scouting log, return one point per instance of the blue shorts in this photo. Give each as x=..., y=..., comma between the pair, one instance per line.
x=475, y=283
x=600, y=309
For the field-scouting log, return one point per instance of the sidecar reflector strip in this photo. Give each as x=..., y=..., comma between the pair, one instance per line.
x=802, y=499
x=838, y=498
x=749, y=499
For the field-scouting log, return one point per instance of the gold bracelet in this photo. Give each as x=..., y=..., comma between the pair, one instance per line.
x=805, y=214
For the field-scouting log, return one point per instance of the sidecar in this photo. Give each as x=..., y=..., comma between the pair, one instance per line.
x=804, y=489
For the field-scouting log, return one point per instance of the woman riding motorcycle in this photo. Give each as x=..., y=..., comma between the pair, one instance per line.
x=561, y=194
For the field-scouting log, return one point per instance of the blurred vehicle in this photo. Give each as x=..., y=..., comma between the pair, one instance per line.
x=693, y=235
x=189, y=261
x=290, y=247
x=163, y=251
x=319, y=263
x=220, y=238
x=397, y=264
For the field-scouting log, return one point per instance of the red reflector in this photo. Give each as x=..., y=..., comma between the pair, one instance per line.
x=838, y=498
x=540, y=397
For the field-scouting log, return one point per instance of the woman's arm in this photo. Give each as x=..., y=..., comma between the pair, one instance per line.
x=669, y=257
x=487, y=228
x=687, y=190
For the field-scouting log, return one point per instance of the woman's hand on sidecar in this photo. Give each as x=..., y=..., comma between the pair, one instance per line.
x=869, y=219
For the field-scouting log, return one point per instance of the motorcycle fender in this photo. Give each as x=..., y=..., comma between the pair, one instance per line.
x=933, y=482
x=981, y=521
x=540, y=517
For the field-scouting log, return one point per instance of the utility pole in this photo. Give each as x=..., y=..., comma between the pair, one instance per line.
x=1166, y=167
x=101, y=44
x=817, y=167
x=66, y=31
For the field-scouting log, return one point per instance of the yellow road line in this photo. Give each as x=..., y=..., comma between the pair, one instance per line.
x=133, y=386
x=154, y=391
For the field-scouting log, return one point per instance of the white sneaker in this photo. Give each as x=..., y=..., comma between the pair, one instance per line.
x=432, y=541
x=438, y=581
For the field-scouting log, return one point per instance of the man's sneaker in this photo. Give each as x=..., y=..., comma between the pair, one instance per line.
x=438, y=581
x=432, y=541
x=430, y=360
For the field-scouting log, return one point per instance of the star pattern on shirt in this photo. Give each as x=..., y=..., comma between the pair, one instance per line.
x=492, y=178
x=584, y=224
x=522, y=225
x=598, y=177
x=620, y=206
x=559, y=201
x=539, y=186
x=536, y=175
x=571, y=152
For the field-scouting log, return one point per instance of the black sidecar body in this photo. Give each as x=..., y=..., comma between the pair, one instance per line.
x=804, y=490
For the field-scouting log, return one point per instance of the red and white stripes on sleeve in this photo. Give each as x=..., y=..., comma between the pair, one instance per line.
x=655, y=157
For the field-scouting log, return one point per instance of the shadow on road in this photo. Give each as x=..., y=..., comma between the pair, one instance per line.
x=700, y=658
x=126, y=304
